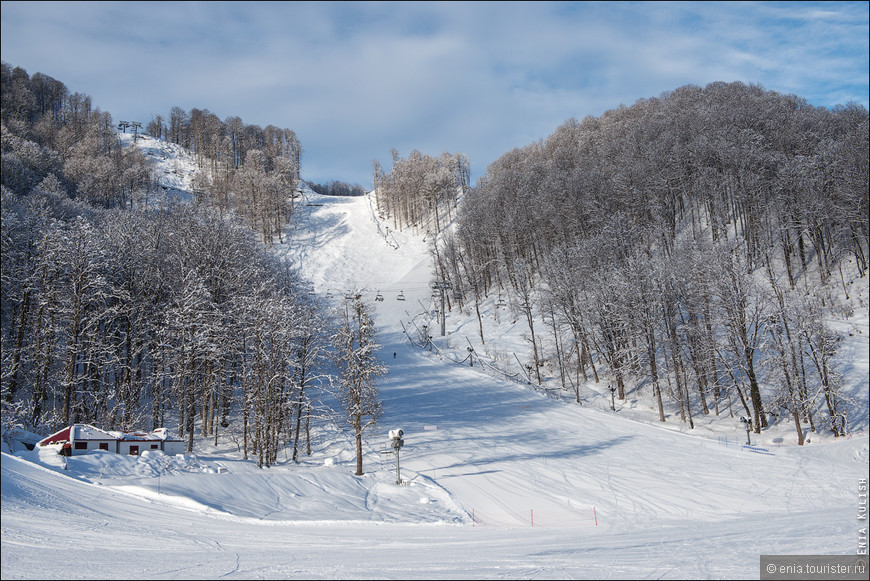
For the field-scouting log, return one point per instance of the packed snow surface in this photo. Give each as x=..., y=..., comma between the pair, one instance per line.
x=499, y=479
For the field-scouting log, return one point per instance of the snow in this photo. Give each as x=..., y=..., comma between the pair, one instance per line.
x=175, y=167
x=499, y=479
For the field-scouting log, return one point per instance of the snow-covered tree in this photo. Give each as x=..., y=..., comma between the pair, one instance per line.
x=356, y=356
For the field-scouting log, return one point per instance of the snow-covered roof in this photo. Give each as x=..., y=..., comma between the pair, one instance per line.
x=77, y=432
x=88, y=432
x=82, y=432
x=158, y=434
x=163, y=434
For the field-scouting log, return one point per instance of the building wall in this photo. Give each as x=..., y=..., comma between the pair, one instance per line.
x=136, y=447
x=173, y=447
x=84, y=446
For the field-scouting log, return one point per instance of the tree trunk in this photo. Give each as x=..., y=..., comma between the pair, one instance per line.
x=797, y=425
x=359, y=462
x=760, y=419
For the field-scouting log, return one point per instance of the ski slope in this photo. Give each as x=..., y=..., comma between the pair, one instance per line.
x=500, y=480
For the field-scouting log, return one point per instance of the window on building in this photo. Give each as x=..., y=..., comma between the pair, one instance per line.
x=81, y=445
x=134, y=450
x=154, y=446
x=104, y=446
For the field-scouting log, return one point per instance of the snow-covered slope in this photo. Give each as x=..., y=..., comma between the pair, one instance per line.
x=173, y=165
x=501, y=480
x=341, y=245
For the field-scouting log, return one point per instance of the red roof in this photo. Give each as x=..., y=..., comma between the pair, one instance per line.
x=56, y=438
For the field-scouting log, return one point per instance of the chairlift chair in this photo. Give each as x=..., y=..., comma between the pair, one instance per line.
x=401, y=296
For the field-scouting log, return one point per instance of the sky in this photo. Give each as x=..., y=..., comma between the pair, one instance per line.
x=355, y=80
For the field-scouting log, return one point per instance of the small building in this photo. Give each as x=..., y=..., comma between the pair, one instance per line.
x=134, y=443
x=83, y=438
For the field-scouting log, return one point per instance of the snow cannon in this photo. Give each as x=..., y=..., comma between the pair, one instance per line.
x=396, y=440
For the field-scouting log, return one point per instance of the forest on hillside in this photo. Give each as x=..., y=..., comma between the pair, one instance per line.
x=692, y=244
x=421, y=191
x=128, y=310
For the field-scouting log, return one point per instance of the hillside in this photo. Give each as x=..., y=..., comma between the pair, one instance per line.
x=503, y=479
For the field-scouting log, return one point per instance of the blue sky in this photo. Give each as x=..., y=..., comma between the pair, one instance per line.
x=354, y=80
